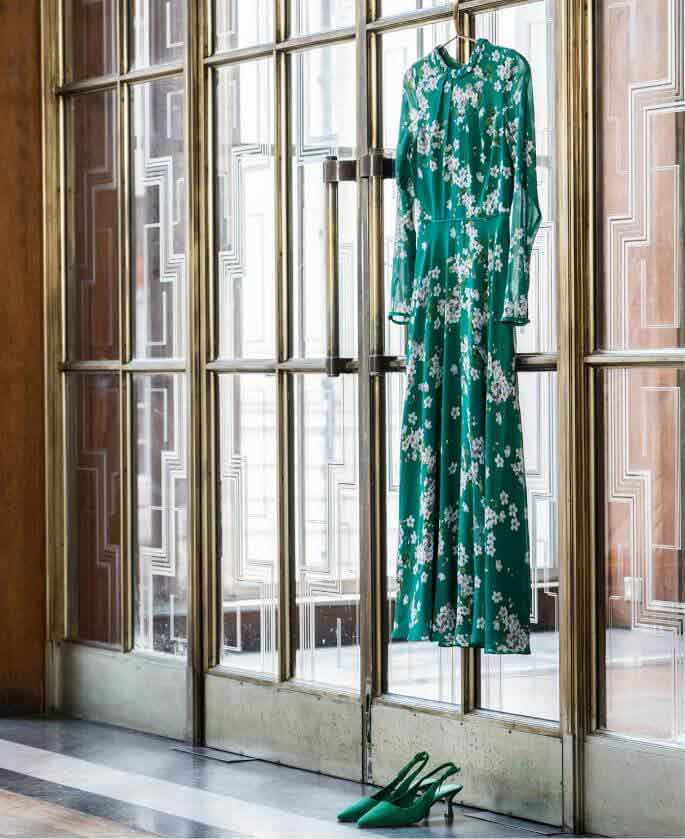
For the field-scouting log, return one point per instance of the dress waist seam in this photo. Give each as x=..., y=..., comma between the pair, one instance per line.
x=463, y=217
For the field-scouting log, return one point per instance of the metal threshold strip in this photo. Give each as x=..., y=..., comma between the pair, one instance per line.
x=213, y=754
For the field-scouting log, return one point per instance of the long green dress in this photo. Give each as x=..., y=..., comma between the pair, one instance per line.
x=467, y=218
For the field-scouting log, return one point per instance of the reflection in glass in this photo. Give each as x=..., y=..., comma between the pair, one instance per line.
x=323, y=124
x=161, y=522
x=94, y=507
x=309, y=16
x=93, y=226
x=90, y=38
x=641, y=125
x=157, y=32
x=529, y=684
x=244, y=201
x=242, y=23
x=642, y=449
x=527, y=28
x=248, y=526
x=158, y=219
x=326, y=513
x=418, y=669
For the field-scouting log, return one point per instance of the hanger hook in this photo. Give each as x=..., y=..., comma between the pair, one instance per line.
x=455, y=15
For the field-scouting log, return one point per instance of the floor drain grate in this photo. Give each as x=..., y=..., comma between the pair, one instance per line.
x=212, y=754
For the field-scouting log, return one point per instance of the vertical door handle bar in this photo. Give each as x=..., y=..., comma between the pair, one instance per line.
x=334, y=171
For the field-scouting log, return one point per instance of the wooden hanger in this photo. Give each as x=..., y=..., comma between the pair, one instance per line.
x=455, y=17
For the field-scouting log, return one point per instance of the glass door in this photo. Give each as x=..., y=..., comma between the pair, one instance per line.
x=459, y=704
x=305, y=384
x=230, y=392
x=282, y=383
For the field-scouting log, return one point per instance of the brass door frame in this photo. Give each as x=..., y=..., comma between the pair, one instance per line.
x=574, y=73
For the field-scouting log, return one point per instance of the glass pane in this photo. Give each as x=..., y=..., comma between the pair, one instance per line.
x=323, y=124
x=244, y=201
x=158, y=219
x=248, y=526
x=242, y=23
x=641, y=152
x=94, y=508
x=93, y=226
x=529, y=28
x=326, y=513
x=529, y=684
x=397, y=7
x=161, y=524
x=642, y=451
x=309, y=16
x=157, y=32
x=418, y=669
x=90, y=38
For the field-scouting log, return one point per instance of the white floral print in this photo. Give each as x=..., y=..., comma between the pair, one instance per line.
x=467, y=219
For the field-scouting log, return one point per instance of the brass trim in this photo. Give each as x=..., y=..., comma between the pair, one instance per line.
x=511, y=722
x=143, y=74
x=194, y=140
x=375, y=164
x=287, y=609
x=636, y=358
x=335, y=170
x=53, y=345
x=380, y=364
x=128, y=525
x=574, y=270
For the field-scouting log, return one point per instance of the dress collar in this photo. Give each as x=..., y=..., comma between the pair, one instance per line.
x=445, y=63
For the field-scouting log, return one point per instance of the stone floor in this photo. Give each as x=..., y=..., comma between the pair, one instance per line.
x=62, y=778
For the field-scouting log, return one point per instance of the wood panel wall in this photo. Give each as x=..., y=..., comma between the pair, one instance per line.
x=22, y=553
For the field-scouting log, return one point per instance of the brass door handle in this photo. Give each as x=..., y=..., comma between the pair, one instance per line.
x=334, y=171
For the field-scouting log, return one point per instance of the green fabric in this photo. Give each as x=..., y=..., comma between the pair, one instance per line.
x=467, y=217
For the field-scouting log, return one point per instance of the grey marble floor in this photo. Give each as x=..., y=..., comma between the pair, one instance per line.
x=146, y=785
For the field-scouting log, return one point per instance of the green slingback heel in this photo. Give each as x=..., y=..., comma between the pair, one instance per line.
x=415, y=804
x=399, y=786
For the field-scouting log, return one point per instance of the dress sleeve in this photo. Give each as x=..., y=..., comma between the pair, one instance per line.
x=405, y=232
x=525, y=210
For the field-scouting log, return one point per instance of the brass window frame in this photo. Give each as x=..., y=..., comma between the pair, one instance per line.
x=574, y=359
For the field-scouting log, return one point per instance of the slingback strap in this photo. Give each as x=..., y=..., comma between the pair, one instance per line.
x=435, y=778
x=408, y=773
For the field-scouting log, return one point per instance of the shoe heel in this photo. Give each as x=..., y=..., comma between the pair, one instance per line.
x=449, y=803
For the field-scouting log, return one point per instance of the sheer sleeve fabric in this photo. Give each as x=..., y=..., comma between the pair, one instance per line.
x=405, y=232
x=525, y=209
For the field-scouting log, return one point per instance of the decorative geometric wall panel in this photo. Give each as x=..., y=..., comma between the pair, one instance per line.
x=244, y=201
x=93, y=227
x=642, y=122
x=158, y=32
x=90, y=28
x=242, y=23
x=327, y=529
x=158, y=219
x=309, y=16
x=322, y=107
x=645, y=581
x=248, y=520
x=161, y=490
x=94, y=481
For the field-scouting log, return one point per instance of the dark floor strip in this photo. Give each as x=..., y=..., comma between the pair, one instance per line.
x=128, y=815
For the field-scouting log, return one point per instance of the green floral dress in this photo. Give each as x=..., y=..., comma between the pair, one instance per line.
x=467, y=218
